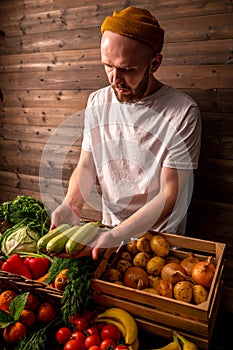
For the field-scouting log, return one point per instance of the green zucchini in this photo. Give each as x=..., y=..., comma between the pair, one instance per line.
x=57, y=244
x=43, y=241
x=82, y=237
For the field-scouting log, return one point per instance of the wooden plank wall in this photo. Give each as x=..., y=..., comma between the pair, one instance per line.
x=49, y=64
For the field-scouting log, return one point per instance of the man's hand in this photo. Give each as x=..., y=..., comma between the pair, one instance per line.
x=64, y=214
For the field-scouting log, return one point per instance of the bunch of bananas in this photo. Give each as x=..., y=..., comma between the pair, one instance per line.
x=68, y=239
x=179, y=342
x=125, y=323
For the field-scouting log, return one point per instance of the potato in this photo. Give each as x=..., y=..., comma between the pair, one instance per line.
x=183, y=291
x=159, y=245
x=141, y=259
x=155, y=265
x=126, y=256
x=143, y=245
x=200, y=294
x=123, y=265
x=131, y=247
x=113, y=275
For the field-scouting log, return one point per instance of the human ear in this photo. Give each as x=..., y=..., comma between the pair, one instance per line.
x=156, y=61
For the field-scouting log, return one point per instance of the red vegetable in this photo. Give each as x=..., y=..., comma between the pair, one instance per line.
x=37, y=266
x=15, y=264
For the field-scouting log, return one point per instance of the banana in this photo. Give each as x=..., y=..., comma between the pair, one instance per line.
x=57, y=244
x=82, y=237
x=124, y=318
x=43, y=241
x=134, y=345
x=174, y=345
x=187, y=345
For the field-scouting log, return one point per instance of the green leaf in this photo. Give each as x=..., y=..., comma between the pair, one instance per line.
x=5, y=319
x=17, y=305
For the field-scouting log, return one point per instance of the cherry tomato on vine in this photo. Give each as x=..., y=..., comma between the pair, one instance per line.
x=92, y=330
x=121, y=347
x=63, y=335
x=81, y=323
x=110, y=331
x=107, y=343
x=74, y=345
x=91, y=340
x=78, y=336
x=94, y=347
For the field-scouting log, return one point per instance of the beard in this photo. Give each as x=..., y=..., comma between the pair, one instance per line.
x=135, y=94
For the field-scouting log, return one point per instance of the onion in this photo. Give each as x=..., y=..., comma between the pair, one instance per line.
x=203, y=272
x=173, y=272
x=188, y=263
x=164, y=288
x=136, y=277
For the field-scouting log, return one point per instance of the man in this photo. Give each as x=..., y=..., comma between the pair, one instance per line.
x=141, y=139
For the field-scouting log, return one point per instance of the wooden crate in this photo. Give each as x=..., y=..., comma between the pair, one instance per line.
x=157, y=314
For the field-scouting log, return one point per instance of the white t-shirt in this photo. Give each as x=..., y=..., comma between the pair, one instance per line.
x=131, y=142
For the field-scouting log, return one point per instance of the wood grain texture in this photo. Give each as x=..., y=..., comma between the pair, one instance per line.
x=50, y=63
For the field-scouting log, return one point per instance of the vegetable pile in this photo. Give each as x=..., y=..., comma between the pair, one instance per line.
x=149, y=265
x=23, y=221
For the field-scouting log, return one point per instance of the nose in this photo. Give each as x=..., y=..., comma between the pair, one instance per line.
x=116, y=76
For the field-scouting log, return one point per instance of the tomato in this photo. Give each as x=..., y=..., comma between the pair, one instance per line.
x=63, y=335
x=78, y=336
x=89, y=315
x=92, y=330
x=46, y=312
x=94, y=347
x=81, y=323
x=121, y=347
x=110, y=331
x=91, y=340
x=74, y=344
x=107, y=343
x=72, y=318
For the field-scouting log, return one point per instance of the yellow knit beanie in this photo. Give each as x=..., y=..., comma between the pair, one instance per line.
x=136, y=23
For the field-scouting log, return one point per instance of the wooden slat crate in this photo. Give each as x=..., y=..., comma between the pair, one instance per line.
x=157, y=314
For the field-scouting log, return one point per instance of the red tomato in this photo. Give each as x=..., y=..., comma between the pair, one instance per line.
x=110, y=331
x=89, y=315
x=107, y=343
x=94, y=347
x=81, y=323
x=92, y=330
x=74, y=345
x=63, y=335
x=78, y=336
x=72, y=318
x=91, y=340
x=120, y=347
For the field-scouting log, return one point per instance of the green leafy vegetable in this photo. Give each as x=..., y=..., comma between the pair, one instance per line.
x=26, y=210
x=21, y=239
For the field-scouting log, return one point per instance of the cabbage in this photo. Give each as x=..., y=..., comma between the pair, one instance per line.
x=22, y=239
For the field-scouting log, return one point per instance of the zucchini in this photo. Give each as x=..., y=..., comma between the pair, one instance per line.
x=82, y=237
x=57, y=244
x=43, y=241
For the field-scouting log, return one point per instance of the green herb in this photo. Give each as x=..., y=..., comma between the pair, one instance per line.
x=38, y=339
x=77, y=295
x=26, y=210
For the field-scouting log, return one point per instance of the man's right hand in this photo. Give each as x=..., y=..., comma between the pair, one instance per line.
x=64, y=214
